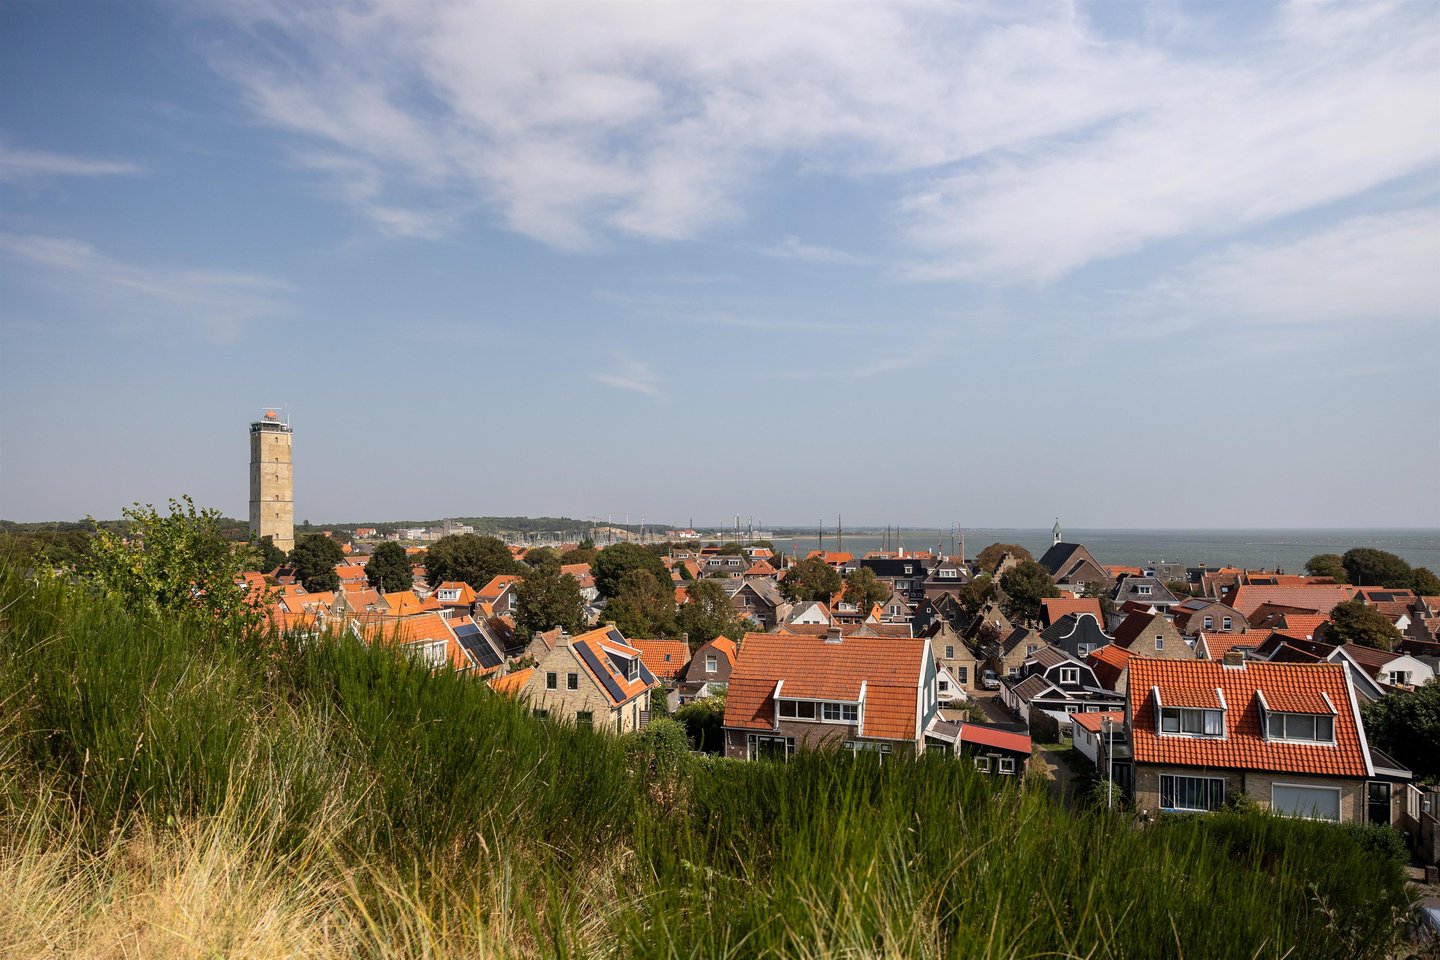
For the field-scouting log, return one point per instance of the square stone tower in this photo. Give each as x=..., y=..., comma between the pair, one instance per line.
x=272, y=482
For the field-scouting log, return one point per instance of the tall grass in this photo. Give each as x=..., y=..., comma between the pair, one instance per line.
x=170, y=789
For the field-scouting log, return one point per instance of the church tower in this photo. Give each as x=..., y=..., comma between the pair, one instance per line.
x=1055, y=534
x=272, y=486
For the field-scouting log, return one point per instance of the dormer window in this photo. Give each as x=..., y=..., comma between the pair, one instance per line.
x=1209, y=623
x=1070, y=675
x=1193, y=722
x=1143, y=589
x=1225, y=623
x=1303, y=727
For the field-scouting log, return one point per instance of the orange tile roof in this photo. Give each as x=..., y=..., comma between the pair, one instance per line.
x=350, y=571
x=467, y=592
x=1321, y=598
x=726, y=646
x=665, y=658
x=1218, y=644
x=761, y=568
x=1303, y=624
x=512, y=683
x=889, y=668
x=604, y=639
x=1284, y=686
x=1118, y=571
x=1094, y=721
x=682, y=596
x=417, y=629
x=1057, y=607
x=492, y=590
x=575, y=569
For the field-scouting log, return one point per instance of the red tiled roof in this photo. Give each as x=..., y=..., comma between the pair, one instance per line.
x=1303, y=624
x=990, y=737
x=1094, y=721
x=417, y=629
x=1319, y=598
x=665, y=658
x=1218, y=644
x=512, y=683
x=598, y=642
x=497, y=586
x=1109, y=662
x=1291, y=686
x=811, y=667
x=1057, y=607
x=467, y=592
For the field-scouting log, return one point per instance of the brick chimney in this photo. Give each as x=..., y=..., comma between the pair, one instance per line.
x=1234, y=660
x=832, y=635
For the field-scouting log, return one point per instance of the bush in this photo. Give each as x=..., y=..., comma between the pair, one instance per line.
x=1379, y=840
x=704, y=721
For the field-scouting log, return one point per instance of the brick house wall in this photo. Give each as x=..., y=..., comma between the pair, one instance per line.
x=807, y=736
x=1255, y=784
x=563, y=703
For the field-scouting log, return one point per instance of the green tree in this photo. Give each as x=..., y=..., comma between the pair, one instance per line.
x=704, y=722
x=1355, y=621
x=388, y=569
x=989, y=558
x=1327, y=565
x=810, y=579
x=614, y=562
x=1025, y=585
x=864, y=590
x=976, y=593
x=642, y=606
x=548, y=599
x=1181, y=588
x=1425, y=583
x=1407, y=727
x=708, y=613
x=468, y=558
x=268, y=555
x=314, y=559
x=542, y=558
x=1376, y=568
x=578, y=555
x=171, y=563
x=1099, y=590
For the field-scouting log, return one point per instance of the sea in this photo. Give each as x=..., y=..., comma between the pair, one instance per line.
x=1283, y=550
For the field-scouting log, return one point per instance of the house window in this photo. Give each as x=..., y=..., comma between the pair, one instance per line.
x=572, y=681
x=761, y=747
x=542, y=714
x=1377, y=801
x=1399, y=678
x=1030, y=649
x=1143, y=590
x=1307, y=727
x=710, y=663
x=797, y=709
x=982, y=764
x=584, y=718
x=909, y=569
x=949, y=574
x=1084, y=649
x=1070, y=675
x=1006, y=764
x=1159, y=643
x=1191, y=793
x=949, y=651
x=839, y=712
x=1312, y=803
x=551, y=682
x=962, y=674
x=1225, y=623
x=1194, y=723
x=1209, y=623
x=894, y=610
x=944, y=686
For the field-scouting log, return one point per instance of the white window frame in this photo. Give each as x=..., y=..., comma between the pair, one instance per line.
x=1070, y=675
x=1143, y=589
x=1226, y=623
x=1339, y=800
x=949, y=651
x=982, y=764
x=1180, y=717
x=752, y=744
x=1159, y=642
x=1400, y=678
x=833, y=712
x=1209, y=623
x=1285, y=721
x=1174, y=792
x=712, y=663
x=1006, y=765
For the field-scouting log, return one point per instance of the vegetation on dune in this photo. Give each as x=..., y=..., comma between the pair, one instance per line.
x=195, y=791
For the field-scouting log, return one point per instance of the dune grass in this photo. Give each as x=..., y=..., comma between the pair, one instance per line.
x=170, y=788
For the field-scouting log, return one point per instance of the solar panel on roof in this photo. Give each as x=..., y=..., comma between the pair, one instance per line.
x=593, y=662
x=476, y=644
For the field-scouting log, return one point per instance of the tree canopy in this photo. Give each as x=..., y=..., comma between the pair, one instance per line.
x=388, y=569
x=864, y=590
x=546, y=599
x=1327, y=565
x=171, y=563
x=976, y=593
x=1367, y=567
x=314, y=559
x=1406, y=725
x=641, y=605
x=268, y=556
x=469, y=558
x=1425, y=583
x=988, y=559
x=612, y=564
x=542, y=558
x=1355, y=621
x=810, y=579
x=1025, y=585
x=708, y=613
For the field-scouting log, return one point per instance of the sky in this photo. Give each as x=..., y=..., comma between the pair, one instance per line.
x=1133, y=265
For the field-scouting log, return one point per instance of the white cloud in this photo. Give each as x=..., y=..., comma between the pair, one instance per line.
x=18, y=164
x=1356, y=275
x=791, y=248
x=633, y=375
x=127, y=294
x=1020, y=142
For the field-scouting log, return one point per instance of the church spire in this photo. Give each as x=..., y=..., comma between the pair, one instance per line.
x=1056, y=532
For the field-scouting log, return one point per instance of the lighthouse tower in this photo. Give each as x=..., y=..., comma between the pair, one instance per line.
x=272, y=482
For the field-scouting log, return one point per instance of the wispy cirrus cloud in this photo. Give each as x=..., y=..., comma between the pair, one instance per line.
x=17, y=163
x=791, y=248
x=631, y=374
x=219, y=302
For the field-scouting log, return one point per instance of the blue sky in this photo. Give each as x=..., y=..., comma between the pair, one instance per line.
x=1134, y=265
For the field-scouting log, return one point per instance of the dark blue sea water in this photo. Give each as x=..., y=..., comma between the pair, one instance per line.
x=1270, y=549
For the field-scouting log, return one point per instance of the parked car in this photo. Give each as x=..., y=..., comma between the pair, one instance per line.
x=989, y=681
